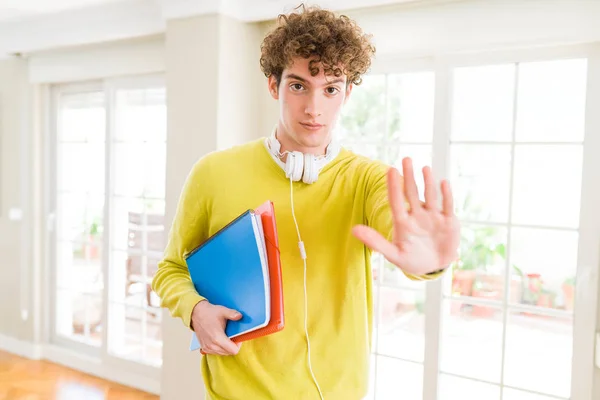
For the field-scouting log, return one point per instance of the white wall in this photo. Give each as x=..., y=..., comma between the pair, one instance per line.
x=15, y=294
x=120, y=58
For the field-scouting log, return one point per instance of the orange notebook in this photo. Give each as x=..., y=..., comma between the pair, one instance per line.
x=276, y=323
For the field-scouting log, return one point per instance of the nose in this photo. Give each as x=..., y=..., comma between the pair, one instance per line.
x=313, y=108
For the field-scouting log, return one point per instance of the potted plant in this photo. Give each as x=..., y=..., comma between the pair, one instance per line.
x=568, y=289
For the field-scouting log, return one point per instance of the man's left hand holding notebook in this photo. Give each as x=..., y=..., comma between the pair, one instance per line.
x=208, y=322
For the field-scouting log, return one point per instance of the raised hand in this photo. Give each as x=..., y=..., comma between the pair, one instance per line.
x=426, y=236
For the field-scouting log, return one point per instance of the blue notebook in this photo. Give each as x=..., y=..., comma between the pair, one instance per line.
x=231, y=269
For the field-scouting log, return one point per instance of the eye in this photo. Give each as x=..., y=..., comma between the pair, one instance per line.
x=332, y=90
x=296, y=87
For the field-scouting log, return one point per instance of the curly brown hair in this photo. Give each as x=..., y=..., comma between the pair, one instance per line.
x=337, y=44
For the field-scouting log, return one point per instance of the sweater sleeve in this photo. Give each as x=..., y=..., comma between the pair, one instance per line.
x=172, y=282
x=378, y=212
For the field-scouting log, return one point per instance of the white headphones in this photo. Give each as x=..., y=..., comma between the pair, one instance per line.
x=298, y=165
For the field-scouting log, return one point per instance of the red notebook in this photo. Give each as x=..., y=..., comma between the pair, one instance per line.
x=276, y=324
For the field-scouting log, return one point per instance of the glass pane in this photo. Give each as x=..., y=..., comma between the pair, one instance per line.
x=420, y=156
x=81, y=167
x=152, y=299
x=410, y=105
x=141, y=115
x=552, y=97
x=539, y=353
x=512, y=394
x=480, y=177
x=79, y=267
x=138, y=240
x=125, y=331
x=82, y=117
x=141, y=169
x=471, y=343
x=80, y=217
x=124, y=210
x=79, y=316
x=479, y=270
x=153, y=350
x=368, y=150
x=452, y=387
x=363, y=116
x=539, y=173
x=482, y=104
x=401, y=321
x=126, y=283
x=397, y=379
x=548, y=276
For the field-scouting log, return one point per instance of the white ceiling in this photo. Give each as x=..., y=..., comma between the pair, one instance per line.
x=29, y=26
x=34, y=25
x=17, y=9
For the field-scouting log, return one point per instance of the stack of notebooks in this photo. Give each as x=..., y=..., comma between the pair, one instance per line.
x=239, y=268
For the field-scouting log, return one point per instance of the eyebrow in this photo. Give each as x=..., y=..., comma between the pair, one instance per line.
x=301, y=79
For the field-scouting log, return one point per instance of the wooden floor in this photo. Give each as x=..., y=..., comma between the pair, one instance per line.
x=23, y=379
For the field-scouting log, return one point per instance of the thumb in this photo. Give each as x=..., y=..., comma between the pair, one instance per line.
x=231, y=314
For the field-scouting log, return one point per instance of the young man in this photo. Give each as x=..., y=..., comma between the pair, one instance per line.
x=342, y=205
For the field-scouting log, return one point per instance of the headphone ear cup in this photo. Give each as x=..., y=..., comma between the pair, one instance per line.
x=310, y=169
x=294, y=165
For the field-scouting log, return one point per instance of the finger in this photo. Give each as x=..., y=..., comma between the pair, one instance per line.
x=395, y=194
x=210, y=347
x=227, y=345
x=376, y=242
x=447, y=199
x=230, y=314
x=215, y=349
x=410, y=185
x=430, y=189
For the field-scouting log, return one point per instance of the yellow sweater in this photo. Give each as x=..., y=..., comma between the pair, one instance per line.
x=350, y=190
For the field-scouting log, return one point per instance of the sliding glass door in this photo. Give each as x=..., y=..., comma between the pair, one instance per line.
x=107, y=213
x=515, y=135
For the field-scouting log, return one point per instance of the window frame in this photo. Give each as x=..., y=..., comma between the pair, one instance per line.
x=95, y=360
x=586, y=304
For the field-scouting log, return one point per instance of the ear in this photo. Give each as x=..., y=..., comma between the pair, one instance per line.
x=273, y=89
x=348, y=92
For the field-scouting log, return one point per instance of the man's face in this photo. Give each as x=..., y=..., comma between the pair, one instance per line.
x=309, y=107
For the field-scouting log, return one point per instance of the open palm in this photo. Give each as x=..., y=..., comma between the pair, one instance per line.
x=425, y=237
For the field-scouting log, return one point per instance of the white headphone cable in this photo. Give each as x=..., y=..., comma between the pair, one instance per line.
x=303, y=255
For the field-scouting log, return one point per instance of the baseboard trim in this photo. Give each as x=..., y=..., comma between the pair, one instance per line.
x=79, y=362
x=20, y=347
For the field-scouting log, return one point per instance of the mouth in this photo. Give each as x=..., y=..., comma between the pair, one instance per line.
x=311, y=126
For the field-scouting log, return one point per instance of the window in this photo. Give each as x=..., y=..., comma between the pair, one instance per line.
x=388, y=118
x=512, y=137
x=110, y=149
